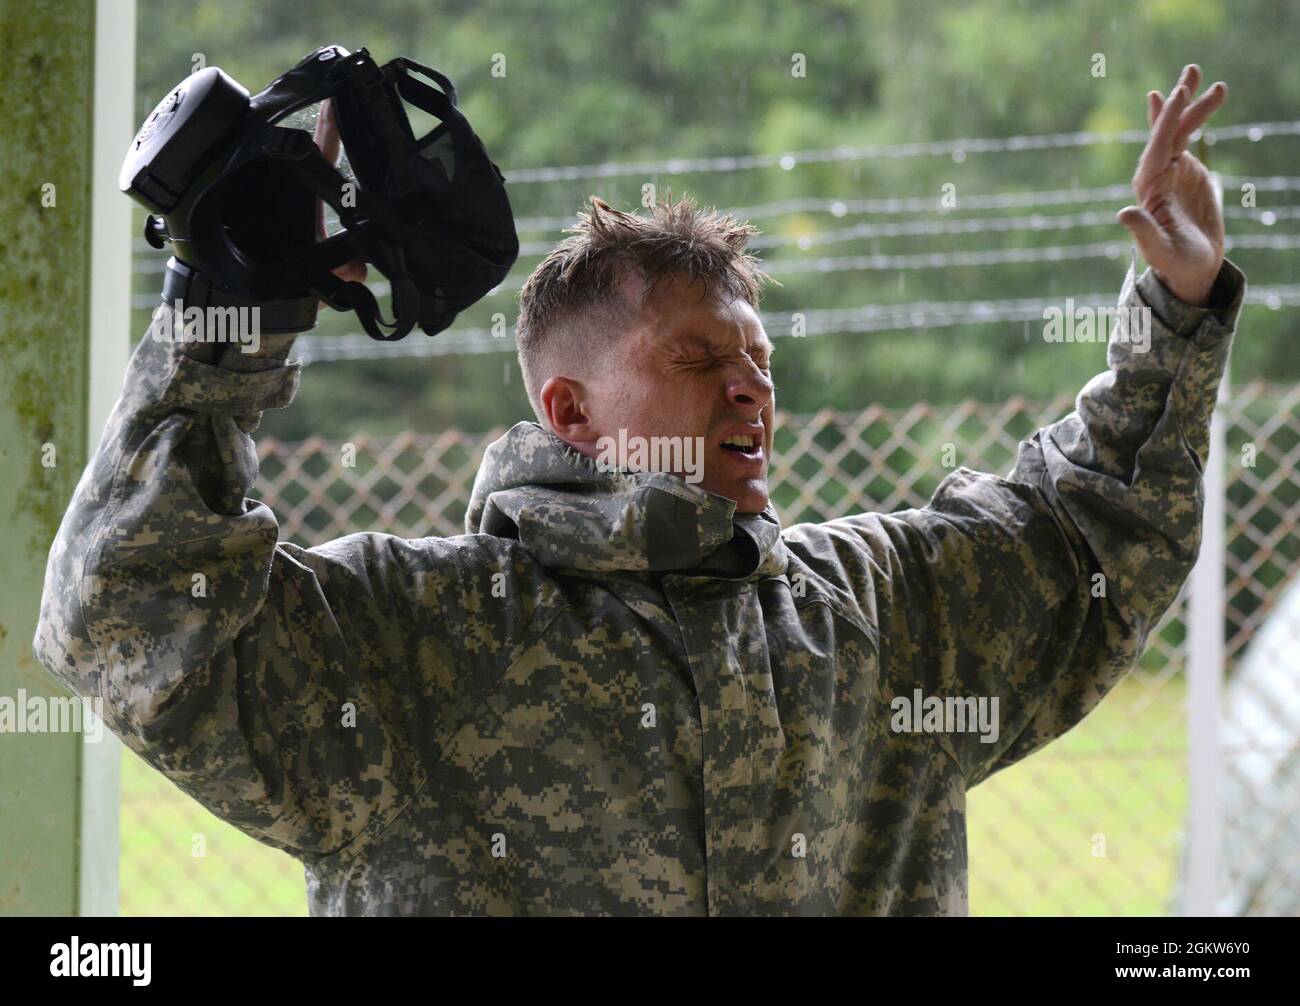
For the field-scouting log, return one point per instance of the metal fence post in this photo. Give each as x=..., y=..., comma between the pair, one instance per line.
x=1205, y=669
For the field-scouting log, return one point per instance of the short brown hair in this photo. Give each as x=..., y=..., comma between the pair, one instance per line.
x=576, y=297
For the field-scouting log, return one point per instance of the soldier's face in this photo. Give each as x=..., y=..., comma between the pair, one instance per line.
x=694, y=367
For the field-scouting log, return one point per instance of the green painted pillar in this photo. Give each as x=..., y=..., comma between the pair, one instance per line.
x=66, y=118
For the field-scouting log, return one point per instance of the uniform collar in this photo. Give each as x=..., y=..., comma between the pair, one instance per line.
x=570, y=514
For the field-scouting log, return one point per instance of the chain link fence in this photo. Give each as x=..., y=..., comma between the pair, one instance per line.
x=1094, y=824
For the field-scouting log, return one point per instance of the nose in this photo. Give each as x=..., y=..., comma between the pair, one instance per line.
x=749, y=386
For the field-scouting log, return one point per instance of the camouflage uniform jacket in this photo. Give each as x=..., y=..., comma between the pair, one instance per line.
x=613, y=694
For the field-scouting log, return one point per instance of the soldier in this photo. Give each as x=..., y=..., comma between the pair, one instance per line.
x=625, y=692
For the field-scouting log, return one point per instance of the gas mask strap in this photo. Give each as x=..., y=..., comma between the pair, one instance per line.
x=353, y=296
x=190, y=288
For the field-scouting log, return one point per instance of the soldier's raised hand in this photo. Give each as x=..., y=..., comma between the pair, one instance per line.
x=1177, y=222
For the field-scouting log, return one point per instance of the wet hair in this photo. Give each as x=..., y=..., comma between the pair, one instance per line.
x=594, y=283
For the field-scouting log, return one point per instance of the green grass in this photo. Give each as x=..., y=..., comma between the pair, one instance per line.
x=1119, y=775
x=162, y=829
x=1114, y=785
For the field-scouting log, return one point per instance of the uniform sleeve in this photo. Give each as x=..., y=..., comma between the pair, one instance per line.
x=276, y=685
x=1038, y=590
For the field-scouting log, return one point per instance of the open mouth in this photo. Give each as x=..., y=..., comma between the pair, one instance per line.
x=743, y=443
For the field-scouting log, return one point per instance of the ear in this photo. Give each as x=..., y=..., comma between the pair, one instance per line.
x=564, y=402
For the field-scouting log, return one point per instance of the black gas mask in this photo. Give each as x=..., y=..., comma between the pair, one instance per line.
x=235, y=195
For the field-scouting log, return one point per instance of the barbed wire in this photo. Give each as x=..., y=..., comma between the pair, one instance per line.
x=997, y=256
x=961, y=225
x=958, y=149
x=977, y=258
x=1035, y=222
x=150, y=260
x=843, y=207
x=815, y=321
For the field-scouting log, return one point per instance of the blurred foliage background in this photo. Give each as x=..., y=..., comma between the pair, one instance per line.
x=631, y=81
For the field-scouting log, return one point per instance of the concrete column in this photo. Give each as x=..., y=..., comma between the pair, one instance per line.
x=67, y=89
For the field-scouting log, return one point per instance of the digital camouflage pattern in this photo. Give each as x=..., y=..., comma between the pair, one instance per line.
x=612, y=694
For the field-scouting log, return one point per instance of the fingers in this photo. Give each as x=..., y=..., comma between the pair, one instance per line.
x=1155, y=102
x=326, y=137
x=1198, y=112
x=326, y=133
x=1155, y=221
x=1152, y=241
x=355, y=271
x=1159, y=149
x=1189, y=78
x=1173, y=120
x=1165, y=127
